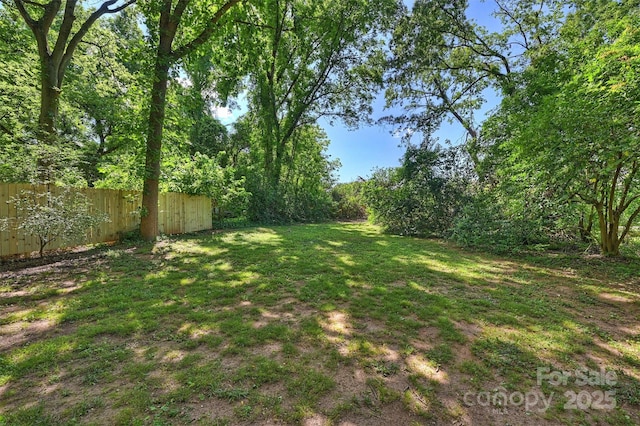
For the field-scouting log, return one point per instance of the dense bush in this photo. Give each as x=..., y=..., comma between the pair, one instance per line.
x=420, y=198
x=287, y=204
x=203, y=175
x=501, y=222
x=348, y=201
x=295, y=188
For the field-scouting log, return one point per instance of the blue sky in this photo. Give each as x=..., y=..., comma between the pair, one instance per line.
x=369, y=147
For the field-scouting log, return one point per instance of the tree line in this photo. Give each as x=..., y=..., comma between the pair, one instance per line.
x=555, y=163
x=124, y=94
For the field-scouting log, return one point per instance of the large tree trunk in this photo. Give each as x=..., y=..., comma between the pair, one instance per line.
x=49, y=105
x=49, y=97
x=165, y=57
x=149, y=219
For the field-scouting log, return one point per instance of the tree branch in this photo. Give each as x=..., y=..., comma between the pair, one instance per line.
x=627, y=186
x=77, y=37
x=51, y=10
x=177, y=13
x=261, y=26
x=508, y=13
x=614, y=184
x=33, y=3
x=629, y=223
x=31, y=23
x=64, y=31
x=206, y=33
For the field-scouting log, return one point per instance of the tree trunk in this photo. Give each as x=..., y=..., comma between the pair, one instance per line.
x=585, y=227
x=609, y=241
x=277, y=166
x=613, y=241
x=43, y=243
x=149, y=219
x=49, y=97
x=165, y=57
x=49, y=105
x=268, y=156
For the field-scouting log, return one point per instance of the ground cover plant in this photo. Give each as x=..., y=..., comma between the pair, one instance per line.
x=317, y=324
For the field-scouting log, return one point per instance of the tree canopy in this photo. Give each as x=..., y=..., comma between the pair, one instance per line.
x=126, y=94
x=563, y=143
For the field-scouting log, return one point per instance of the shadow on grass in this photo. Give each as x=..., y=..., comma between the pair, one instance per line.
x=288, y=323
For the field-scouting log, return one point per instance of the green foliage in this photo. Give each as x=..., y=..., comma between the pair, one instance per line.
x=420, y=198
x=202, y=175
x=305, y=61
x=557, y=157
x=302, y=193
x=98, y=109
x=57, y=33
x=66, y=216
x=349, y=201
x=517, y=215
x=18, y=98
x=571, y=124
x=297, y=61
x=555, y=163
x=487, y=223
x=288, y=203
x=105, y=92
x=444, y=63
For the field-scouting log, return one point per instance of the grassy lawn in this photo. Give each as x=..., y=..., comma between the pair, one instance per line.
x=319, y=324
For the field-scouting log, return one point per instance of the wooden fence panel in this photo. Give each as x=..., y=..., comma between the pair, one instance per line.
x=178, y=213
x=5, y=238
x=181, y=213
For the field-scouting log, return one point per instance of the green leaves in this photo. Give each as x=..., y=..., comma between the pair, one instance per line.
x=423, y=196
x=307, y=60
x=50, y=216
x=572, y=124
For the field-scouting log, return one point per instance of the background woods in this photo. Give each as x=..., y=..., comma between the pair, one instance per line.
x=129, y=95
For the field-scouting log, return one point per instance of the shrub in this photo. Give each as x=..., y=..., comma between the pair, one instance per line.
x=508, y=223
x=204, y=175
x=66, y=216
x=420, y=198
x=287, y=203
x=348, y=201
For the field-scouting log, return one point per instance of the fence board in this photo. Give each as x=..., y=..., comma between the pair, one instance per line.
x=4, y=213
x=13, y=234
x=178, y=213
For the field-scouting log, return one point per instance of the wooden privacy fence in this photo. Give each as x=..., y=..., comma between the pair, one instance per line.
x=178, y=213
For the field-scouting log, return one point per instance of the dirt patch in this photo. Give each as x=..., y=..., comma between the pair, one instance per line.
x=394, y=413
x=53, y=259
x=316, y=420
x=427, y=339
x=471, y=331
x=337, y=322
x=21, y=332
x=270, y=350
x=209, y=410
x=616, y=299
x=372, y=327
x=350, y=382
